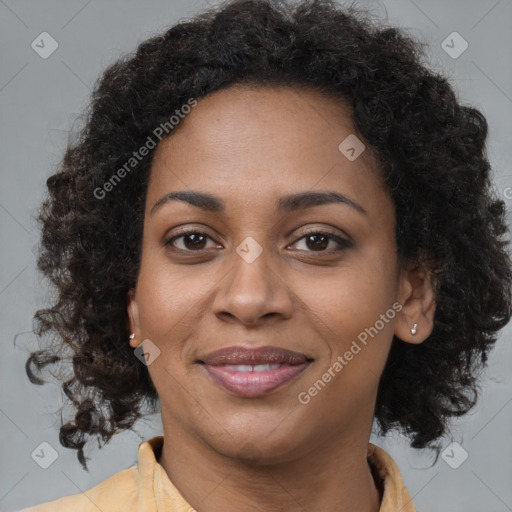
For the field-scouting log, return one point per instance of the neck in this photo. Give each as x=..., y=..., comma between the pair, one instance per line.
x=333, y=476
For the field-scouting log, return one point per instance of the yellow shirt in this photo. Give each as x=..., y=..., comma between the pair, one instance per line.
x=147, y=488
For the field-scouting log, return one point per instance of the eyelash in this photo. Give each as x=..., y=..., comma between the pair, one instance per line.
x=343, y=243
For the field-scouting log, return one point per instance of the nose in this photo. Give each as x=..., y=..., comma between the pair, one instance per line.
x=252, y=292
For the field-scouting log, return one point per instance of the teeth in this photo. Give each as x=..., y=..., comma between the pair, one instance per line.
x=253, y=368
x=265, y=367
x=241, y=368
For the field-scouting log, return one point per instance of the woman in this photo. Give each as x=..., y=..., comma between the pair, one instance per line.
x=277, y=226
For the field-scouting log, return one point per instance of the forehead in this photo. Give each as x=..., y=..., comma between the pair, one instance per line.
x=260, y=143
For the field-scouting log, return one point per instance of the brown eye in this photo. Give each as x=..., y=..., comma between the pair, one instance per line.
x=319, y=241
x=191, y=241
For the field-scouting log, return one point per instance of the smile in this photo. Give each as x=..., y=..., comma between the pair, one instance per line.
x=254, y=380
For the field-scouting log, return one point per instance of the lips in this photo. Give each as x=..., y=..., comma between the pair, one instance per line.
x=253, y=356
x=254, y=372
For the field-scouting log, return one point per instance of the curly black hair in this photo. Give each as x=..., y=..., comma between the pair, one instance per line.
x=431, y=152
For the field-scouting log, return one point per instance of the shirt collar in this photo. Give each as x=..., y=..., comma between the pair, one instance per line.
x=395, y=497
x=158, y=494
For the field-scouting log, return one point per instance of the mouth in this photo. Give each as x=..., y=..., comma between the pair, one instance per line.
x=254, y=372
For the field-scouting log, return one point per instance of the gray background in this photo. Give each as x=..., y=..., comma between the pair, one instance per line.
x=40, y=99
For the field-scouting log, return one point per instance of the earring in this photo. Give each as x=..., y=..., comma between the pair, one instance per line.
x=413, y=330
x=132, y=335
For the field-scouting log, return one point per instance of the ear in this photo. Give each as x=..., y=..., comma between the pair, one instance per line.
x=417, y=297
x=133, y=318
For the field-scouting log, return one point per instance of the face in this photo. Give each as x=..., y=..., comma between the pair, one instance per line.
x=246, y=267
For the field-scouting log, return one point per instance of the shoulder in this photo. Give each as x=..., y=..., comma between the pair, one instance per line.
x=117, y=493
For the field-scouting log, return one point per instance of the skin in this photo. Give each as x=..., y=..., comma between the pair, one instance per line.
x=249, y=147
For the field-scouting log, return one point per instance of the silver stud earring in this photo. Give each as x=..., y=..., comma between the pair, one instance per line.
x=413, y=330
x=132, y=335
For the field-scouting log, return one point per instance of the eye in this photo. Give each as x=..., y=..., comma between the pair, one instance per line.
x=192, y=241
x=318, y=241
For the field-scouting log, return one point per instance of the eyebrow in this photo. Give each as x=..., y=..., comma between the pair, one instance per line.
x=285, y=204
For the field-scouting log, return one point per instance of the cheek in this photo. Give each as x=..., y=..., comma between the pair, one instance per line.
x=344, y=304
x=172, y=300
x=354, y=318
x=169, y=295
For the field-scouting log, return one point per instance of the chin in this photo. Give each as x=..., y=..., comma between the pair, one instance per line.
x=258, y=449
